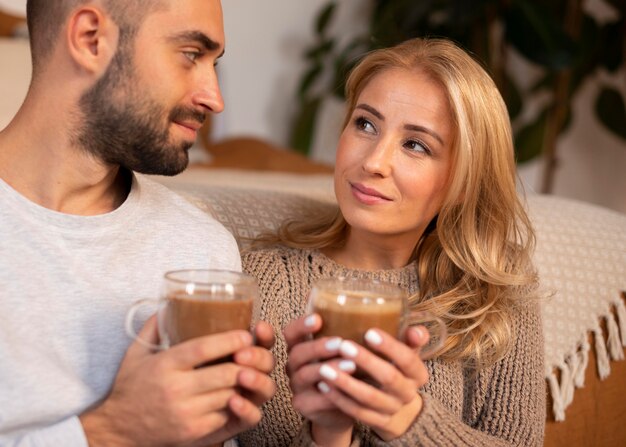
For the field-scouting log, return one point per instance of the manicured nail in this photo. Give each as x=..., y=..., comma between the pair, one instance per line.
x=323, y=387
x=421, y=332
x=309, y=321
x=328, y=373
x=348, y=349
x=333, y=344
x=373, y=337
x=347, y=365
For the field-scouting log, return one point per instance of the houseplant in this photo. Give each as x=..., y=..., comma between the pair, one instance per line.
x=561, y=37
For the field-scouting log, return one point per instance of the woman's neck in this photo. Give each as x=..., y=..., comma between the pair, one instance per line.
x=373, y=252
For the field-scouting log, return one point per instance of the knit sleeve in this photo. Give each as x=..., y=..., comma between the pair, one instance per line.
x=513, y=400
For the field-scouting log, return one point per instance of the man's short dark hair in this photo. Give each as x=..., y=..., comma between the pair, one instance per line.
x=46, y=18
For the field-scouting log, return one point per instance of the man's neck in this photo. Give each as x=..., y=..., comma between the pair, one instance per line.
x=40, y=163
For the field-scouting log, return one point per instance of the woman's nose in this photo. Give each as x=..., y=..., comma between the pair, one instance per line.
x=379, y=159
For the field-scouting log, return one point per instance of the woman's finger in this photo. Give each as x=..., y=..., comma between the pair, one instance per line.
x=365, y=394
x=404, y=358
x=311, y=401
x=301, y=329
x=312, y=351
x=308, y=375
x=351, y=407
x=384, y=373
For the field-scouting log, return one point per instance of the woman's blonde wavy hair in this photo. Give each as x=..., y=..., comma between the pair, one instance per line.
x=474, y=259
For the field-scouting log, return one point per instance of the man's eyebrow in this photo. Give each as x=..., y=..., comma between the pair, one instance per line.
x=196, y=36
x=412, y=127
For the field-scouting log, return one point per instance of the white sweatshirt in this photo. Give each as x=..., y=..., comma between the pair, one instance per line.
x=66, y=283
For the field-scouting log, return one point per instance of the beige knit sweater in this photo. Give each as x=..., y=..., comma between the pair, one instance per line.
x=500, y=406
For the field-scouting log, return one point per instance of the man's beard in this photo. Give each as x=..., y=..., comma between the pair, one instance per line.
x=131, y=131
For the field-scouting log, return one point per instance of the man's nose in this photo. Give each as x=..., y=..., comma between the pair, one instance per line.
x=208, y=93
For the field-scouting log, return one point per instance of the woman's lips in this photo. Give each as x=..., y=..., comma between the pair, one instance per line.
x=368, y=196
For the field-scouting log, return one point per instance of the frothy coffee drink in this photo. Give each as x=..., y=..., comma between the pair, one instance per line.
x=351, y=315
x=188, y=317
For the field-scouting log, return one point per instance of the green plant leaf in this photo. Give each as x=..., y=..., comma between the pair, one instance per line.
x=308, y=79
x=345, y=61
x=304, y=126
x=324, y=17
x=537, y=35
x=529, y=140
x=320, y=50
x=590, y=49
x=611, y=111
x=619, y=5
x=512, y=97
x=613, y=40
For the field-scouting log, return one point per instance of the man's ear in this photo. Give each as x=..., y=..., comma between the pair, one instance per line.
x=92, y=38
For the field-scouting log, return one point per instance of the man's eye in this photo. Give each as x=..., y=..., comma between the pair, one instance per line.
x=192, y=55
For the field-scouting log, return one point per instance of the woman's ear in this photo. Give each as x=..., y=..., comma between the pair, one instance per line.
x=91, y=38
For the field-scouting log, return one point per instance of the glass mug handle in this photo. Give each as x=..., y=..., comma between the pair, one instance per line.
x=130, y=318
x=436, y=329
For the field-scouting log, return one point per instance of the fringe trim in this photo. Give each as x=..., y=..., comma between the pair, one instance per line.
x=572, y=369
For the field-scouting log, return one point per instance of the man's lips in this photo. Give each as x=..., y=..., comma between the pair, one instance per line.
x=368, y=195
x=192, y=125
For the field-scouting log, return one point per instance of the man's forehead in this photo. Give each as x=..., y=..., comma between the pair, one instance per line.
x=197, y=20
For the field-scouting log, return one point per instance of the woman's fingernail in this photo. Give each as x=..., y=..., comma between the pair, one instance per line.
x=309, y=321
x=348, y=349
x=421, y=332
x=373, y=337
x=323, y=387
x=328, y=373
x=333, y=344
x=347, y=365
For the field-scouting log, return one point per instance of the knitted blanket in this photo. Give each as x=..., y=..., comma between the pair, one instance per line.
x=581, y=260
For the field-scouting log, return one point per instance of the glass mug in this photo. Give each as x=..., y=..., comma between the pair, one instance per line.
x=351, y=306
x=201, y=302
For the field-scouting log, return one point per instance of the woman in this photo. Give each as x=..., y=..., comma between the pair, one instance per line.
x=425, y=183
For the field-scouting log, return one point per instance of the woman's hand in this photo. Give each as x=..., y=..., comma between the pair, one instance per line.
x=329, y=426
x=391, y=408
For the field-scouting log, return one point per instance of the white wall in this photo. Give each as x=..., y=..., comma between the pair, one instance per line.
x=265, y=42
x=263, y=63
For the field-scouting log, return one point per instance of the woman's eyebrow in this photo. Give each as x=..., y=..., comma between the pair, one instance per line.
x=413, y=127
x=371, y=110
x=430, y=132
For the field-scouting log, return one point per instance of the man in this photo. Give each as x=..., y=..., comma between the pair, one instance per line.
x=118, y=86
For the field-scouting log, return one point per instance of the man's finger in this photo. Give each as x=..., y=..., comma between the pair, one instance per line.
x=258, y=387
x=148, y=334
x=264, y=335
x=256, y=357
x=201, y=350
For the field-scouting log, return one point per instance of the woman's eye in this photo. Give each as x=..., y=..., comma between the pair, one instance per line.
x=364, y=125
x=417, y=146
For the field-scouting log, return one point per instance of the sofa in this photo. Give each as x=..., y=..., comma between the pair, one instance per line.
x=580, y=257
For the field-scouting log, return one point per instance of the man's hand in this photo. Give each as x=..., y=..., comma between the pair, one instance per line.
x=163, y=399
